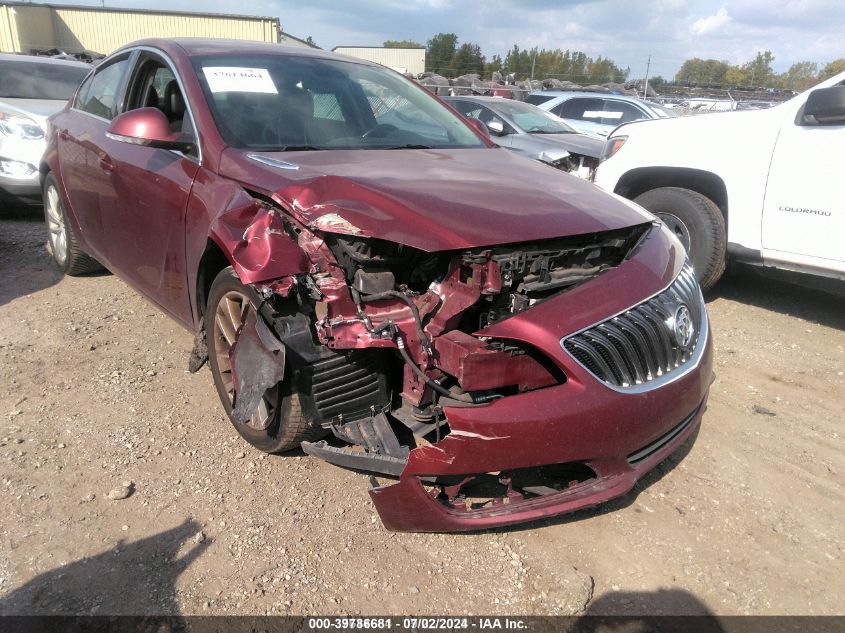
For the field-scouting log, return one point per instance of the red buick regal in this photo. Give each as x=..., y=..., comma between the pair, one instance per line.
x=493, y=340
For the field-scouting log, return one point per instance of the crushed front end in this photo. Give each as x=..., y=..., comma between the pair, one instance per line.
x=493, y=385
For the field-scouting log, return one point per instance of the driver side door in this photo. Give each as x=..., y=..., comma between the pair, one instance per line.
x=146, y=223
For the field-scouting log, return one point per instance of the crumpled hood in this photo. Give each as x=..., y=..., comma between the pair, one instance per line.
x=573, y=143
x=434, y=200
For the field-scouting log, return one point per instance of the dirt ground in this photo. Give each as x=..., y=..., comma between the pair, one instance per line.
x=94, y=392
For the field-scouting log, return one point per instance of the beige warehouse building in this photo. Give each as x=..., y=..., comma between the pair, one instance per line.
x=73, y=29
x=403, y=60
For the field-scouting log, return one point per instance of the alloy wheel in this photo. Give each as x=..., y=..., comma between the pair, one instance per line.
x=56, y=226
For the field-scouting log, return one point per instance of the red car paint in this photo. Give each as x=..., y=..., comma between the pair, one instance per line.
x=151, y=215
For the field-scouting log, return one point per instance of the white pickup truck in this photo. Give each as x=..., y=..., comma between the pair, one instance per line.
x=760, y=186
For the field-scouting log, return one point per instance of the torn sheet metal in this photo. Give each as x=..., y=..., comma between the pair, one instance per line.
x=260, y=248
x=258, y=363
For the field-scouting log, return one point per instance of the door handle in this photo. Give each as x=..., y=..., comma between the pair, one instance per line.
x=106, y=164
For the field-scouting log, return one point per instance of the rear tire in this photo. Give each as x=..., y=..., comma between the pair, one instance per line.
x=697, y=222
x=62, y=241
x=280, y=422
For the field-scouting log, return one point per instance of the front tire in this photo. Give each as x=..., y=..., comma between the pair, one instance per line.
x=697, y=222
x=62, y=241
x=280, y=422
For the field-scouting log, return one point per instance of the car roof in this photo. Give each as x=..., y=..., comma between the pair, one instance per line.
x=38, y=59
x=586, y=93
x=196, y=46
x=480, y=98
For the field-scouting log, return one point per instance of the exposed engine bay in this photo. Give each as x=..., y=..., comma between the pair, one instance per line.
x=380, y=336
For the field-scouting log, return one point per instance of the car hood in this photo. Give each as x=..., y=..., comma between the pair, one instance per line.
x=573, y=143
x=38, y=109
x=434, y=200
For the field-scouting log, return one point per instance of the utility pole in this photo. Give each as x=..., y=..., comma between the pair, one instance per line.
x=533, y=60
x=647, y=68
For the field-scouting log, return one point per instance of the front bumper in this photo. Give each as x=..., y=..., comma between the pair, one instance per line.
x=620, y=437
x=19, y=159
x=616, y=436
x=29, y=188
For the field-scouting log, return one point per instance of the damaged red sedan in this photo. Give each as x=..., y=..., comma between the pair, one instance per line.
x=371, y=279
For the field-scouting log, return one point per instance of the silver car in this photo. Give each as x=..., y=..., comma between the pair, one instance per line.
x=597, y=113
x=31, y=89
x=528, y=130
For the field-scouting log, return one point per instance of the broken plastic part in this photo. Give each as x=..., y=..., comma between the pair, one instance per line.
x=258, y=363
x=199, y=354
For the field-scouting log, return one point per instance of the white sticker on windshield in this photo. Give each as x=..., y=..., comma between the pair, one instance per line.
x=234, y=79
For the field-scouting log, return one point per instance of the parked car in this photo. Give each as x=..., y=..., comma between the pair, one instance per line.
x=597, y=113
x=31, y=89
x=532, y=132
x=498, y=343
x=757, y=186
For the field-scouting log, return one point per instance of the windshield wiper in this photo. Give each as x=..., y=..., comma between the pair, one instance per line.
x=408, y=146
x=299, y=148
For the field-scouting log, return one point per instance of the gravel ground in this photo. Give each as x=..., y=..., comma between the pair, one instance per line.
x=124, y=490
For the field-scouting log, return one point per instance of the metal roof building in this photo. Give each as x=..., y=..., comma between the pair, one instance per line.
x=403, y=60
x=76, y=29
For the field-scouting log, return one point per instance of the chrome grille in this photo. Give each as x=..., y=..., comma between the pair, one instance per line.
x=648, y=344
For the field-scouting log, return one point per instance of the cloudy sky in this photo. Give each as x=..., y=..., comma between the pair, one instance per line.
x=626, y=31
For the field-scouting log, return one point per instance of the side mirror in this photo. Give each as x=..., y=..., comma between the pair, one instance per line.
x=479, y=126
x=147, y=126
x=497, y=127
x=825, y=106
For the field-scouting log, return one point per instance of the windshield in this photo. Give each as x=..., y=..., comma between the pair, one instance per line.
x=37, y=80
x=532, y=119
x=281, y=102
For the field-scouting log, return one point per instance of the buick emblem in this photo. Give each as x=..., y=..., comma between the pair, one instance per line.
x=683, y=328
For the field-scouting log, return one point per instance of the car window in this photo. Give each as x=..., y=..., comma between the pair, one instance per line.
x=579, y=108
x=153, y=85
x=100, y=95
x=278, y=102
x=470, y=110
x=618, y=112
x=36, y=80
x=538, y=99
x=474, y=110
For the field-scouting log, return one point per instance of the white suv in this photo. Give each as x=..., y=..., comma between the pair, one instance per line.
x=758, y=186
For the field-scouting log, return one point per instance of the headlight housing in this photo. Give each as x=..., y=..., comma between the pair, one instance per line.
x=20, y=127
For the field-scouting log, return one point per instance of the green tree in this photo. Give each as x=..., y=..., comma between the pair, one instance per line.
x=702, y=71
x=833, y=68
x=657, y=83
x=494, y=65
x=518, y=62
x=736, y=76
x=603, y=70
x=402, y=44
x=799, y=77
x=759, y=70
x=468, y=59
x=441, y=50
x=310, y=41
